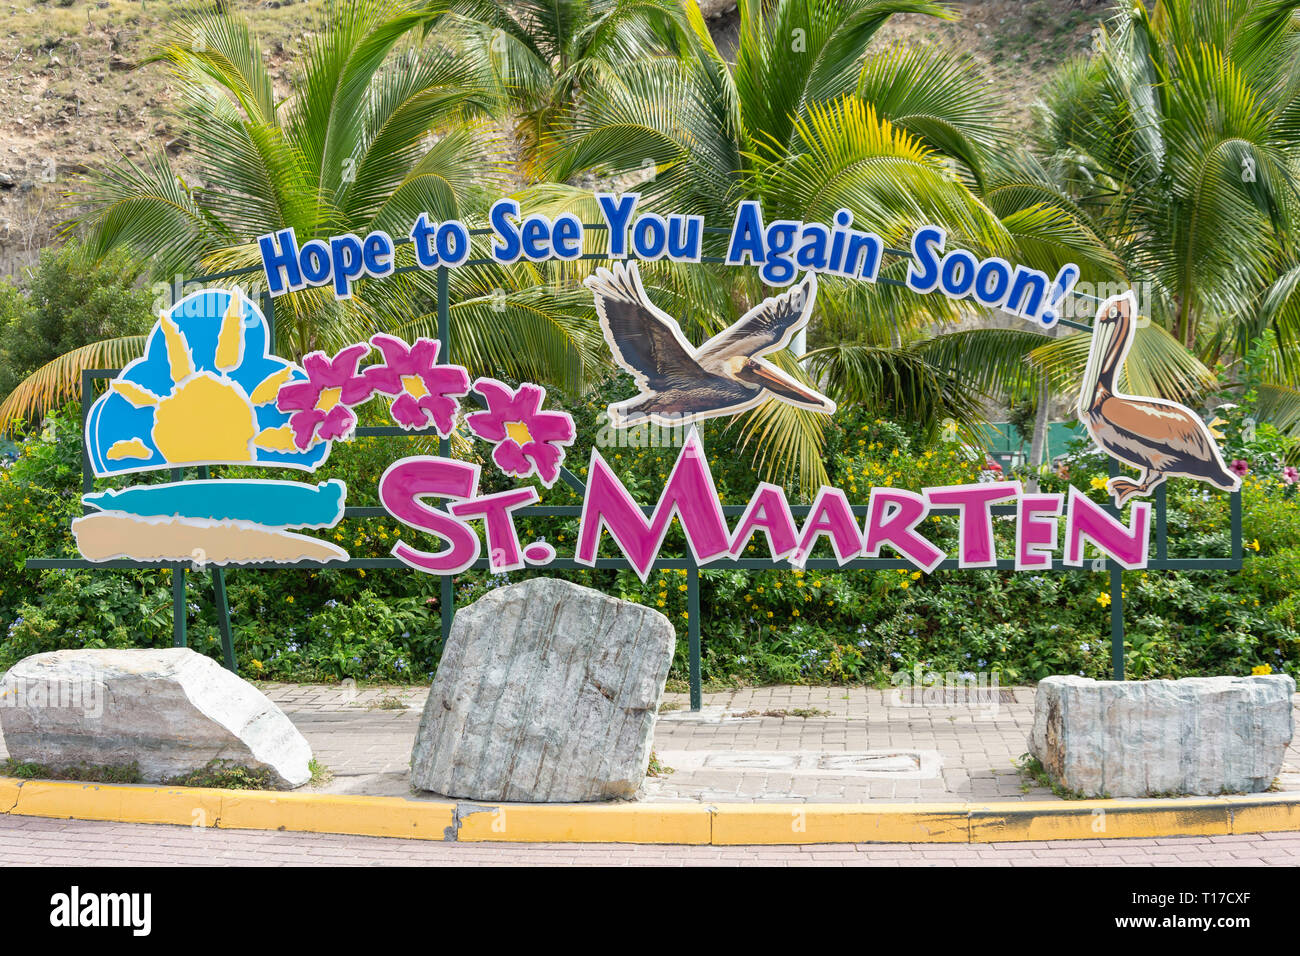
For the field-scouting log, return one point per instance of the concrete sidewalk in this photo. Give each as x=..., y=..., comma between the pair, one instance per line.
x=783, y=744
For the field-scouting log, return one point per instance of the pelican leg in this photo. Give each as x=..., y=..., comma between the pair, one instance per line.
x=1122, y=489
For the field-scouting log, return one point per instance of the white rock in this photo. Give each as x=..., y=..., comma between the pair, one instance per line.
x=1198, y=735
x=170, y=711
x=546, y=692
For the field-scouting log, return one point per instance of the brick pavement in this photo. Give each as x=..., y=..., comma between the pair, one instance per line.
x=855, y=744
x=36, y=841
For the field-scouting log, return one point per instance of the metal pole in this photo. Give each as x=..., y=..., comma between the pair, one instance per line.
x=693, y=631
x=222, y=605
x=268, y=310
x=87, y=473
x=447, y=602
x=1117, y=620
x=180, y=610
x=1116, y=601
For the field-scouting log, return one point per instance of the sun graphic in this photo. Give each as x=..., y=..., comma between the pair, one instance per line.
x=204, y=394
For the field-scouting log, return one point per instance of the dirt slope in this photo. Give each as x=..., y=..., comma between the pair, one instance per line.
x=74, y=97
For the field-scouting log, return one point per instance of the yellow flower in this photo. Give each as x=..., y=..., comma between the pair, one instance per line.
x=257, y=665
x=905, y=585
x=795, y=612
x=916, y=575
x=1103, y=599
x=1097, y=483
x=1254, y=544
x=289, y=599
x=769, y=613
x=1261, y=670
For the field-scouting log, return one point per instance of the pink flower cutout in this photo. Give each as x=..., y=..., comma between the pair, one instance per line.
x=1239, y=467
x=425, y=392
x=321, y=407
x=528, y=440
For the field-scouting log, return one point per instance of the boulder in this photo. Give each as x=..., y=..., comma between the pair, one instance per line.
x=547, y=692
x=1199, y=735
x=170, y=711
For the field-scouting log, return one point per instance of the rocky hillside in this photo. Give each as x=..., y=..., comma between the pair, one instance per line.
x=77, y=96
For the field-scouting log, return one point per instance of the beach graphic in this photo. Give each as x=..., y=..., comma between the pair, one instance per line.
x=205, y=394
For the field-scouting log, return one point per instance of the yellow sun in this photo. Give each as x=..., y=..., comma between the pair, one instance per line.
x=205, y=417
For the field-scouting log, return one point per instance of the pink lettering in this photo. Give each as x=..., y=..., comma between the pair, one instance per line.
x=769, y=512
x=892, y=517
x=401, y=487
x=689, y=494
x=975, y=547
x=1087, y=521
x=1035, y=536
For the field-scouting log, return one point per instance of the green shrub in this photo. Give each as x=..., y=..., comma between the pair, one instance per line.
x=811, y=626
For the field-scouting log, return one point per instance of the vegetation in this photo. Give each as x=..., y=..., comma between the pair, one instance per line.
x=1164, y=158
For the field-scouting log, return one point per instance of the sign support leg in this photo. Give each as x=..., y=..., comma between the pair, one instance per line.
x=693, y=629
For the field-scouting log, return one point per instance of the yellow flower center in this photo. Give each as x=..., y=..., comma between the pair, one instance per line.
x=414, y=386
x=518, y=433
x=329, y=397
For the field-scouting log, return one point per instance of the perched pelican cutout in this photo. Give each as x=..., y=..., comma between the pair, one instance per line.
x=1158, y=437
x=681, y=384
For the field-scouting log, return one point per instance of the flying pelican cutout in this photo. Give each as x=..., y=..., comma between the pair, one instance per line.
x=1158, y=437
x=681, y=384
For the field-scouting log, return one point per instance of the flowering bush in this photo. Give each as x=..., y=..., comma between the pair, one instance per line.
x=758, y=626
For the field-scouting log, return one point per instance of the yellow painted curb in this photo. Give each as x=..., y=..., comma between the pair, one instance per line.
x=679, y=823
x=338, y=813
x=1098, y=819
x=740, y=824
x=122, y=803
x=579, y=823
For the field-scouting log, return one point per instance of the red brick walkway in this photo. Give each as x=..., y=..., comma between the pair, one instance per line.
x=38, y=841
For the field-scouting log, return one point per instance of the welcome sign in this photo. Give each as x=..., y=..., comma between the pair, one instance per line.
x=208, y=392
x=780, y=250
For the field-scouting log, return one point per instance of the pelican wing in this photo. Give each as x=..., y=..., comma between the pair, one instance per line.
x=645, y=340
x=767, y=326
x=1160, y=423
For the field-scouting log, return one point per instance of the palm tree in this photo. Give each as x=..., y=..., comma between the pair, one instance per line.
x=540, y=55
x=376, y=131
x=1178, y=136
x=810, y=121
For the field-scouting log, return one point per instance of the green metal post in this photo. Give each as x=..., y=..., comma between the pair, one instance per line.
x=268, y=310
x=693, y=625
x=87, y=399
x=1117, y=620
x=1116, y=601
x=180, y=610
x=447, y=602
x=222, y=605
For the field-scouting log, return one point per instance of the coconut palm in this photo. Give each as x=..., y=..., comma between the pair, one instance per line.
x=377, y=131
x=1179, y=136
x=810, y=120
x=541, y=54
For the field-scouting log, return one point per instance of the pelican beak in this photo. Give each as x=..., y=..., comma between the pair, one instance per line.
x=778, y=383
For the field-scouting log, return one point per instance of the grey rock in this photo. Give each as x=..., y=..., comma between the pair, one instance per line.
x=1198, y=735
x=546, y=692
x=170, y=710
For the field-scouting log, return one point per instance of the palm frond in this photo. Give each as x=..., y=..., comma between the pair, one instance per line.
x=59, y=381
